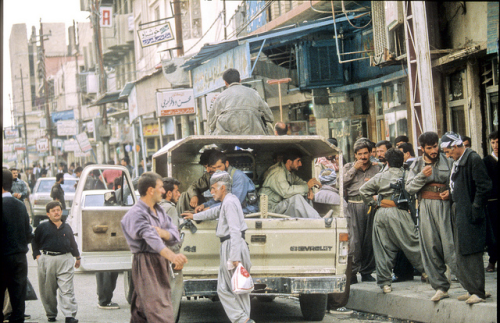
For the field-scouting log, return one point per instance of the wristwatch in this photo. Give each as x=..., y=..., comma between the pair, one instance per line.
x=78, y=258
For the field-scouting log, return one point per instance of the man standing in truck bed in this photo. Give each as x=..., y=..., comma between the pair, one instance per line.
x=239, y=110
x=231, y=231
x=148, y=231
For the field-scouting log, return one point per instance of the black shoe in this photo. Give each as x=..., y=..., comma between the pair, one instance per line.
x=27, y=316
x=71, y=320
x=354, y=279
x=367, y=278
x=51, y=319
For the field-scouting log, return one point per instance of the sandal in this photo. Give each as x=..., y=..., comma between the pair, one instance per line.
x=491, y=267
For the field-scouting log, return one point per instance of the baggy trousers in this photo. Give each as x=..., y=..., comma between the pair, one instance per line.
x=436, y=241
x=296, y=207
x=394, y=230
x=151, y=300
x=177, y=286
x=237, y=307
x=14, y=277
x=56, y=273
x=470, y=268
x=360, y=231
x=106, y=284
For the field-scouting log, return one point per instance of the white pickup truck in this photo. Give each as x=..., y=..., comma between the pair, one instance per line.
x=290, y=256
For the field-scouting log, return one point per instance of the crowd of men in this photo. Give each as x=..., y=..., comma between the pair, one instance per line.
x=451, y=187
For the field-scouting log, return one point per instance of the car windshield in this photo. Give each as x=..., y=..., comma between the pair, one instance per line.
x=46, y=186
x=98, y=200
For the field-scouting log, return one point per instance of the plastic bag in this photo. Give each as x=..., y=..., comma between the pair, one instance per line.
x=242, y=282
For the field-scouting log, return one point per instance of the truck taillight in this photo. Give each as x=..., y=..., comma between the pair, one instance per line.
x=343, y=237
x=343, y=248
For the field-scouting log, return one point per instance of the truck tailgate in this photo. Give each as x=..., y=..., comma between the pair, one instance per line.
x=278, y=247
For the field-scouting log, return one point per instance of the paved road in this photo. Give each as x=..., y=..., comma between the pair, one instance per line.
x=199, y=311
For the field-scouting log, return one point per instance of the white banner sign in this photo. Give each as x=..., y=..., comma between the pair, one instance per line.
x=154, y=35
x=42, y=145
x=67, y=128
x=51, y=159
x=84, y=142
x=11, y=133
x=106, y=18
x=71, y=145
x=175, y=102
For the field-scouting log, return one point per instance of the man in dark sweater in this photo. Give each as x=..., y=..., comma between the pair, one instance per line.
x=54, y=247
x=15, y=234
x=57, y=193
x=491, y=162
x=469, y=187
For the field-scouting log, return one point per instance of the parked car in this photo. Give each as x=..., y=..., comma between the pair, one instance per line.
x=41, y=196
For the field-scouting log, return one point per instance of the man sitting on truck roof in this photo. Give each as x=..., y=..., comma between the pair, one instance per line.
x=285, y=189
x=242, y=185
x=194, y=194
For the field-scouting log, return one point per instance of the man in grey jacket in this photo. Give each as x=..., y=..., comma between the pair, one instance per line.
x=239, y=110
x=231, y=231
x=429, y=177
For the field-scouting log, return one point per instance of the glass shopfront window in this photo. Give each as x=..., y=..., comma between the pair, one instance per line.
x=456, y=94
x=393, y=122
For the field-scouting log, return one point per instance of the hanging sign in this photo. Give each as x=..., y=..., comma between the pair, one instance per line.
x=84, y=142
x=42, y=145
x=175, y=102
x=11, y=133
x=67, y=128
x=106, y=17
x=155, y=35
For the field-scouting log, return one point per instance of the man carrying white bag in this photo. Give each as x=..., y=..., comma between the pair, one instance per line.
x=234, y=252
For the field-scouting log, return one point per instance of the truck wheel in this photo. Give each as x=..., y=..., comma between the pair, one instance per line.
x=266, y=299
x=129, y=285
x=313, y=306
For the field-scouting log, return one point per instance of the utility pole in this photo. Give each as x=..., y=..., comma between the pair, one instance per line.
x=178, y=28
x=77, y=74
x=224, y=10
x=27, y=158
x=46, y=94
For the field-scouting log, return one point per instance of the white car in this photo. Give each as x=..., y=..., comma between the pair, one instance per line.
x=41, y=196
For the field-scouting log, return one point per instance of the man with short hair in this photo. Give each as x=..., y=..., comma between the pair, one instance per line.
x=19, y=187
x=469, y=187
x=148, y=231
x=360, y=227
x=54, y=247
x=15, y=235
x=429, y=178
x=193, y=196
x=409, y=153
x=31, y=178
x=393, y=228
x=57, y=193
x=400, y=140
x=286, y=190
x=78, y=171
x=382, y=146
x=280, y=129
x=239, y=110
x=242, y=185
x=231, y=231
x=125, y=161
x=491, y=163
x=169, y=199
x=467, y=141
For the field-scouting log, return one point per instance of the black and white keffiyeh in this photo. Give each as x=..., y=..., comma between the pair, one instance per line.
x=450, y=139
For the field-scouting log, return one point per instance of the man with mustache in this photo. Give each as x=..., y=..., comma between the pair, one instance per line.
x=382, y=147
x=360, y=226
x=429, y=177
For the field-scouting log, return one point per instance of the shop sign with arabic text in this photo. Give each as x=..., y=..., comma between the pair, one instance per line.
x=176, y=102
x=154, y=35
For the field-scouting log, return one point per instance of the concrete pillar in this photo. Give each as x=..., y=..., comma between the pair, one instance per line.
x=473, y=107
x=185, y=126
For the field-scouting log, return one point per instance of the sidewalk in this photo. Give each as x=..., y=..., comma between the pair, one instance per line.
x=411, y=301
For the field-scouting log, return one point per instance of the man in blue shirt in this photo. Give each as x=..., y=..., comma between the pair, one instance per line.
x=241, y=185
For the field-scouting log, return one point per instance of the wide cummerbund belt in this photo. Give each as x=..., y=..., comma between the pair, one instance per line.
x=387, y=203
x=355, y=199
x=428, y=195
x=224, y=238
x=434, y=187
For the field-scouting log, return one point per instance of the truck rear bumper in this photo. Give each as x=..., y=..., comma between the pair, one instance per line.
x=274, y=286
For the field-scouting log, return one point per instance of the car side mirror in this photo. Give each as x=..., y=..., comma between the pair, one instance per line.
x=110, y=198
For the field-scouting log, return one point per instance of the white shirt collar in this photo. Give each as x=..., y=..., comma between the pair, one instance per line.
x=6, y=194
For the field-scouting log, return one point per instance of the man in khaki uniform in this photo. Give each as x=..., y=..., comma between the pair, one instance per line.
x=393, y=228
x=429, y=177
x=286, y=190
x=361, y=223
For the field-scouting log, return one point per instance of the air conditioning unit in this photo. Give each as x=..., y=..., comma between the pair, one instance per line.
x=387, y=31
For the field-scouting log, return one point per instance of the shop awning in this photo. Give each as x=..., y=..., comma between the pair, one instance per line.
x=126, y=91
x=276, y=36
x=62, y=115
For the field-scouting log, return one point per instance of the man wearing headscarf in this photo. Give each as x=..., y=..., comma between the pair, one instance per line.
x=429, y=177
x=328, y=193
x=469, y=187
x=231, y=232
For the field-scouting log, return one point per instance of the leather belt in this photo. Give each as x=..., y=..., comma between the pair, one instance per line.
x=52, y=253
x=387, y=203
x=224, y=238
x=428, y=195
x=435, y=188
